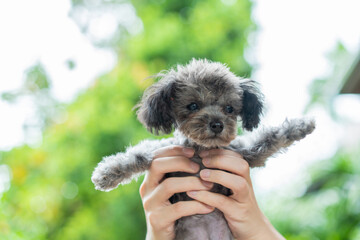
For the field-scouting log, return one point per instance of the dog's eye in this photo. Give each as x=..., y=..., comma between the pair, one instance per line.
x=229, y=109
x=193, y=107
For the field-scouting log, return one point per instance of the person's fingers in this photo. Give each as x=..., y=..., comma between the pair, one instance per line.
x=173, y=185
x=236, y=165
x=166, y=216
x=173, y=150
x=160, y=166
x=169, y=159
x=238, y=185
x=225, y=204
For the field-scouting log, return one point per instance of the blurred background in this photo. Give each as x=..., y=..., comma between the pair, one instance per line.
x=71, y=71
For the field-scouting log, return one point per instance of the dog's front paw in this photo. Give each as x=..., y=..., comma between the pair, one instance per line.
x=102, y=182
x=108, y=174
x=297, y=129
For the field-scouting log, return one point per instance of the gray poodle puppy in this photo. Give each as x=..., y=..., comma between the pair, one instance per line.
x=203, y=102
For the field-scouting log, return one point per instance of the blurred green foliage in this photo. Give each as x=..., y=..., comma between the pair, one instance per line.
x=37, y=89
x=51, y=195
x=329, y=208
x=323, y=91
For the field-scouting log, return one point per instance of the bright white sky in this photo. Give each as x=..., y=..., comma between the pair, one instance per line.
x=290, y=50
x=40, y=30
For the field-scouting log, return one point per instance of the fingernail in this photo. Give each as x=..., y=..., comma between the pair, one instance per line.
x=188, y=151
x=192, y=193
x=204, y=154
x=206, y=161
x=194, y=166
x=205, y=173
x=207, y=184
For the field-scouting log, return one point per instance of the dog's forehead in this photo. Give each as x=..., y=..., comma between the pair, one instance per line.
x=207, y=81
x=210, y=90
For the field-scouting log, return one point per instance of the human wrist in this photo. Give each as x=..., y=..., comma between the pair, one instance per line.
x=267, y=231
x=152, y=235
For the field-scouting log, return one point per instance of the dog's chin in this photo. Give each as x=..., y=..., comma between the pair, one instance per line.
x=212, y=142
x=204, y=137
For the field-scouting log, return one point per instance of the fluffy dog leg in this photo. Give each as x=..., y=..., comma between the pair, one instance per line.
x=121, y=168
x=273, y=140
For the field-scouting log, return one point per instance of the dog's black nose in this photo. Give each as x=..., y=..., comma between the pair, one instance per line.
x=216, y=127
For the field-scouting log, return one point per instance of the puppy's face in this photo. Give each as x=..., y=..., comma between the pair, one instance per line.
x=206, y=110
x=204, y=101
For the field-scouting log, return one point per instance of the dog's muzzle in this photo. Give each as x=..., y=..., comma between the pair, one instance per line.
x=216, y=126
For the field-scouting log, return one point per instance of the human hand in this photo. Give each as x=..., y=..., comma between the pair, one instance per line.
x=244, y=217
x=155, y=191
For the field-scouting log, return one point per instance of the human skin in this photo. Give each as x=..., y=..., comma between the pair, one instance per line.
x=244, y=217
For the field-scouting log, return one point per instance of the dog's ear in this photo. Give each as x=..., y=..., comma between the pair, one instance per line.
x=252, y=104
x=155, y=109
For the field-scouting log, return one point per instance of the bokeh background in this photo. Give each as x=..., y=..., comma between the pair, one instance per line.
x=71, y=71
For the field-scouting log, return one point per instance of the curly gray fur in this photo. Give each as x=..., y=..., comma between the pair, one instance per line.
x=122, y=168
x=202, y=101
